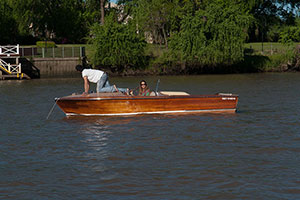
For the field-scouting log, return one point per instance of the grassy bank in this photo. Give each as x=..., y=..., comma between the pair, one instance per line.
x=270, y=57
x=267, y=48
x=259, y=57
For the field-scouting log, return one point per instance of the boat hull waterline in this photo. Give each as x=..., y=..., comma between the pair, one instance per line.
x=110, y=104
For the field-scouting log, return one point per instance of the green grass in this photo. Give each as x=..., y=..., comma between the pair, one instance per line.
x=268, y=48
x=273, y=57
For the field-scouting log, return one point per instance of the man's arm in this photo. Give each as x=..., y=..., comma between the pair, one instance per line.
x=86, y=85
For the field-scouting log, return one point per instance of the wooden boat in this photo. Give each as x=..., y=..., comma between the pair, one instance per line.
x=163, y=102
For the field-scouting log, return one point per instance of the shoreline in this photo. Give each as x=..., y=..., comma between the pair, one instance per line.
x=146, y=73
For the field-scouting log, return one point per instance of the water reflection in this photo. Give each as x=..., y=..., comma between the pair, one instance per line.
x=101, y=121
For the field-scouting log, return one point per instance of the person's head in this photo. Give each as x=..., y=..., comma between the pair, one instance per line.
x=143, y=84
x=79, y=68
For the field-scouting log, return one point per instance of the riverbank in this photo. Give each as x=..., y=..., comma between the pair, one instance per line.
x=266, y=57
x=250, y=64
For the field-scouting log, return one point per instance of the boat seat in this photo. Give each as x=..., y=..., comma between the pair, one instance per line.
x=171, y=93
x=152, y=93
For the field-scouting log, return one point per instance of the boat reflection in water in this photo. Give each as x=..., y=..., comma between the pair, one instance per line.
x=110, y=104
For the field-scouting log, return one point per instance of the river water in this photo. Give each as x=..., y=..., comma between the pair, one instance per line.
x=251, y=154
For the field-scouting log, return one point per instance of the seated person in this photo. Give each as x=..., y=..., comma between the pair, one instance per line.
x=144, y=90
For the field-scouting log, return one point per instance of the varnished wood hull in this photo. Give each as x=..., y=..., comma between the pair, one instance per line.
x=114, y=104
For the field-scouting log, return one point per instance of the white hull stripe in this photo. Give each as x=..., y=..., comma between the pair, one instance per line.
x=156, y=112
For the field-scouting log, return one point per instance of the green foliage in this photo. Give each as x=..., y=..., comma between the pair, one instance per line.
x=8, y=28
x=117, y=45
x=154, y=18
x=56, y=19
x=290, y=34
x=273, y=33
x=22, y=13
x=213, y=36
x=45, y=44
x=92, y=13
x=67, y=22
x=270, y=16
x=276, y=57
x=276, y=61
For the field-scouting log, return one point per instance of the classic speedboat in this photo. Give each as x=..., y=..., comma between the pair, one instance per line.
x=106, y=104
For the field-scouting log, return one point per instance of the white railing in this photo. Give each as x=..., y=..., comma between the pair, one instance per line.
x=9, y=50
x=15, y=69
x=11, y=69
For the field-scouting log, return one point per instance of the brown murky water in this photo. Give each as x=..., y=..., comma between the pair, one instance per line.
x=252, y=154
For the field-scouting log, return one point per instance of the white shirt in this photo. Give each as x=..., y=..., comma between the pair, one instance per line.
x=93, y=75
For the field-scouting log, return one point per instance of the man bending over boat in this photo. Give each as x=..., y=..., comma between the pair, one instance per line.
x=99, y=77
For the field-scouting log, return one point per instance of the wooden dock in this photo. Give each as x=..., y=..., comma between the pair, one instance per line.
x=8, y=69
x=14, y=76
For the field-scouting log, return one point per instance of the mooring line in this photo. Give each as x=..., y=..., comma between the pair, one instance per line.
x=56, y=99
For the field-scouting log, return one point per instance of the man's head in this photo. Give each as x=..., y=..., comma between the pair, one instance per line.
x=79, y=68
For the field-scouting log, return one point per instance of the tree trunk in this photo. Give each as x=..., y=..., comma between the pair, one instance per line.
x=102, y=11
x=165, y=36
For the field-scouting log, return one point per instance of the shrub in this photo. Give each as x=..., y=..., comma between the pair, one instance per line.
x=45, y=44
x=289, y=35
x=117, y=45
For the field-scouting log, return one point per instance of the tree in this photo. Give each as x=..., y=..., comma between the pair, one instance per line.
x=153, y=17
x=117, y=45
x=9, y=30
x=290, y=34
x=269, y=16
x=214, y=35
x=102, y=11
x=58, y=19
